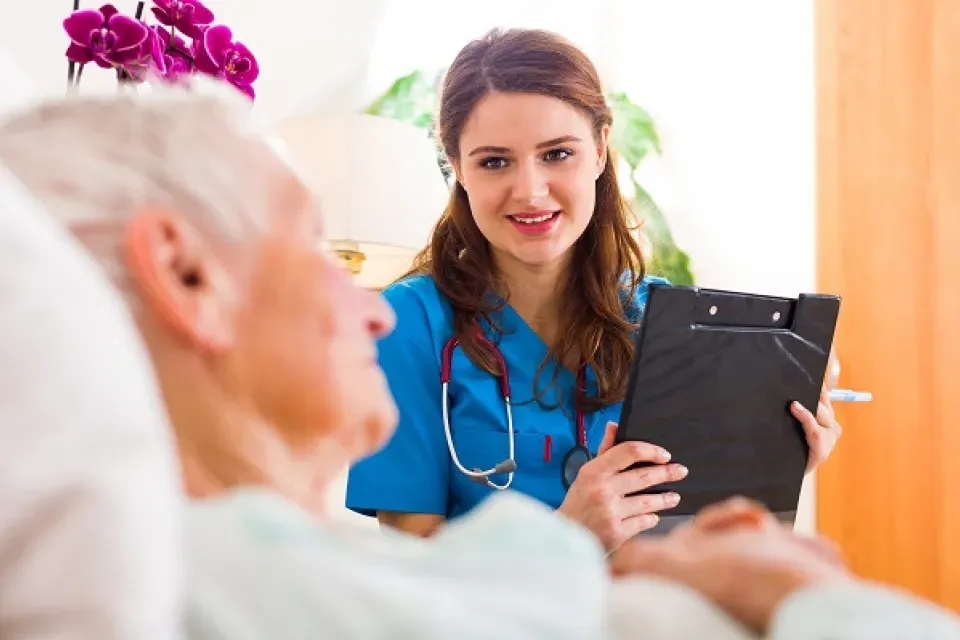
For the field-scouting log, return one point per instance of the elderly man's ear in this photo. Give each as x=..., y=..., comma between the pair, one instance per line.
x=180, y=279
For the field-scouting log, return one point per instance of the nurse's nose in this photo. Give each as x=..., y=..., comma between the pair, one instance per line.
x=530, y=182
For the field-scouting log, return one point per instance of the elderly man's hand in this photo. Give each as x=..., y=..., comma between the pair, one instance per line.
x=737, y=555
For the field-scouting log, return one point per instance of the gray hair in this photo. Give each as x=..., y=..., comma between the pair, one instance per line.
x=95, y=161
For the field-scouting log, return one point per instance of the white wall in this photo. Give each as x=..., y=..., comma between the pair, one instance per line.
x=733, y=93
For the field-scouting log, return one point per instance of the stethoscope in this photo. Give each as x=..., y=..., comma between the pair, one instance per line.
x=573, y=461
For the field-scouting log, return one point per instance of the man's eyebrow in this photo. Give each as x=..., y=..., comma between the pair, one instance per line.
x=543, y=145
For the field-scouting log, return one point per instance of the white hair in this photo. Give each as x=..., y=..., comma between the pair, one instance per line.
x=96, y=161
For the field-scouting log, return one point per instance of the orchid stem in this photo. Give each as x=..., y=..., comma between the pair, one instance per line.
x=73, y=65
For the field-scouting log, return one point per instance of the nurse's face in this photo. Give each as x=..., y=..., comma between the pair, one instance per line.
x=529, y=164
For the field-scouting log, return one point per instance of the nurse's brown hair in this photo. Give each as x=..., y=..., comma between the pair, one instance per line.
x=607, y=259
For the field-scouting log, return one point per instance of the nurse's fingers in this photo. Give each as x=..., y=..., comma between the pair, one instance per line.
x=621, y=456
x=807, y=420
x=636, y=480
x=609, y=438
x=648, y=503
x=635, y=525
x=827, y=419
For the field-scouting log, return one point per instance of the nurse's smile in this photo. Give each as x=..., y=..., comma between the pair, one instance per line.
x=535, y=223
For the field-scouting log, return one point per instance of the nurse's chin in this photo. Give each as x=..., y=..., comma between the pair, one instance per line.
x=541, y=254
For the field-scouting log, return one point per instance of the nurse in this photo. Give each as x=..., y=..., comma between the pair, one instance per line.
x=524, y=305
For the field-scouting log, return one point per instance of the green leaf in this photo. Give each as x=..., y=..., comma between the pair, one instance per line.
x=667, y=260
x=652, y=215
x=411, y=98
x=634, y=132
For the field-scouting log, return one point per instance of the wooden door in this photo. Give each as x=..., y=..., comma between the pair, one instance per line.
x=888, y=156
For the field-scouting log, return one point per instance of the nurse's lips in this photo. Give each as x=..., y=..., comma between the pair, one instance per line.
x=533, y=223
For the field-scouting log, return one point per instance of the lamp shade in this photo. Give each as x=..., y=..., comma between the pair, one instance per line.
x=378, y=183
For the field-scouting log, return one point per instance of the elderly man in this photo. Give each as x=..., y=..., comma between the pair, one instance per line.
x=265, y=353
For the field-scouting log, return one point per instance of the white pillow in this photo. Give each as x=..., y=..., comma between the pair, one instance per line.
x=89, y=484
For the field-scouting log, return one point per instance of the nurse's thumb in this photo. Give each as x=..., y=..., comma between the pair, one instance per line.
x=609, y=438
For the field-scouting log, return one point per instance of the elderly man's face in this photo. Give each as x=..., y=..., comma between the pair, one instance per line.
x=306, y=336
x=284, y=330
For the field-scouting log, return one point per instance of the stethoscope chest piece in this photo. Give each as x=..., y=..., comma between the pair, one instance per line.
x=572, y=463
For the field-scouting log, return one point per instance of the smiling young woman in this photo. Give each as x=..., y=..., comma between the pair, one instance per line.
x=525, y=303
x=516, y=327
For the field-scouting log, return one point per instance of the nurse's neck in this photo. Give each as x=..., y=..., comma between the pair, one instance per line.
x=534, y=292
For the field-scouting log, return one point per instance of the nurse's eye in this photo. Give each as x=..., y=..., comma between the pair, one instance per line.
x=494, y=163
x=557, y=155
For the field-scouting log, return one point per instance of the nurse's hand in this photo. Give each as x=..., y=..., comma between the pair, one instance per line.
x=822, y=430
x=600, y=499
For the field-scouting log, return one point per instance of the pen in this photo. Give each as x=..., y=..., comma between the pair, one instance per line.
x=846, y=395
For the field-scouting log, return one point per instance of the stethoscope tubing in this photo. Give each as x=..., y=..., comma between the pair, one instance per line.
x=509, y=465
x=482, y=476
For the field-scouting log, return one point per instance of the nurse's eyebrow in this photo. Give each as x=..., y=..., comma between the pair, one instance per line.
x=561, y=140
x=549, y=143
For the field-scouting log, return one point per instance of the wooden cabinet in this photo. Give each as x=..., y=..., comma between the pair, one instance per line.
x=888, y=181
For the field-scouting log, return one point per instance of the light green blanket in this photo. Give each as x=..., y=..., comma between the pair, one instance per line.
x=259, y=568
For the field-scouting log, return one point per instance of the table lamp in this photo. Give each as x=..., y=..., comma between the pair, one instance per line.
x=379, y=186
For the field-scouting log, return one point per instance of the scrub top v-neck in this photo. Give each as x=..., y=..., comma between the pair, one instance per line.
x=413, y=472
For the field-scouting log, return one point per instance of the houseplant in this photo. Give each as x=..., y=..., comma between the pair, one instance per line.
x=183, y=40
x=412, y=98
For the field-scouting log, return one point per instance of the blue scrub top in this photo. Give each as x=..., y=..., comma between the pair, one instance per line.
x=414, y=472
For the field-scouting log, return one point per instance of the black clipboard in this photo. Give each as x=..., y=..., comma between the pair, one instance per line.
x=712, y=380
